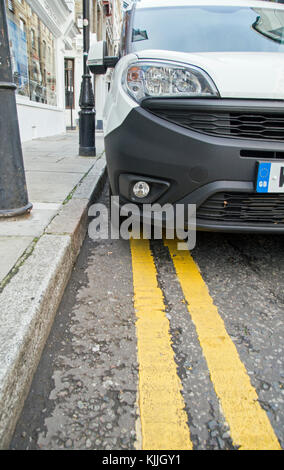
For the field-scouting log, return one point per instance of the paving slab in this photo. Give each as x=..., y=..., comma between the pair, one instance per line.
x=11, y=249
x=85, y=190
x=50, y=187
x=57, y=164
x=29, y=225
x=61, y=145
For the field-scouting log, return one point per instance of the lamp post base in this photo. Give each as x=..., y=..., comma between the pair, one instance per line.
x=15, y=212
x=87, y=151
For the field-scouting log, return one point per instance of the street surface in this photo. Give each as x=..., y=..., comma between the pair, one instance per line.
x=154, y=348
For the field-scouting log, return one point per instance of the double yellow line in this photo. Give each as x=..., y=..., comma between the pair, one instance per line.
x=162, y=408
x=163, y=418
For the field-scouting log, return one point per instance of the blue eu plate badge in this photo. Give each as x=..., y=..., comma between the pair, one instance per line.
x=270, y=177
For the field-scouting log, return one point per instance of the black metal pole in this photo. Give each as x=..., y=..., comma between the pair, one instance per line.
x=87, y=100
x=13, y=190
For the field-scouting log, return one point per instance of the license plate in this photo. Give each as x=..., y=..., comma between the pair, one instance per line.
x=270, y=177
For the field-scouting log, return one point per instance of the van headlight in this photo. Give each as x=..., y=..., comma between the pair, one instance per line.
x=152, y=79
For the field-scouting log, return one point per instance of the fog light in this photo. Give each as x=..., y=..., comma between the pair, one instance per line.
x=141, y=189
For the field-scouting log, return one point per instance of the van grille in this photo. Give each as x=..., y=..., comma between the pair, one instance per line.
x=243, y=208
x=244, y=125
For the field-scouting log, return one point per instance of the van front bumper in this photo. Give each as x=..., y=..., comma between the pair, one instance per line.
x=217, y=173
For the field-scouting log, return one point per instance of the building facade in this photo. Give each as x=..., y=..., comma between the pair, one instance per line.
x=46, y=44
x=40, y=34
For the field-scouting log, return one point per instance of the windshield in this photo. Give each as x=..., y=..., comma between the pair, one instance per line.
x=208, y=29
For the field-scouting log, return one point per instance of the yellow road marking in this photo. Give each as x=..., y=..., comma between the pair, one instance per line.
x=249, y=424
x=163, y=418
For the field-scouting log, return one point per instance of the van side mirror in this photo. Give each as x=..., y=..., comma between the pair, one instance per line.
x=98, y=59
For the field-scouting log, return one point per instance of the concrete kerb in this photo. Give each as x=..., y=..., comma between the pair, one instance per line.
x=30, y=299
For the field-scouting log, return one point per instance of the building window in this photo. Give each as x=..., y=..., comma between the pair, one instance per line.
x=43, y=49
x=80, y=21
x=69, y=83
x=33, y=39
x=22, y=25
x=32, y=49
x=11, y=5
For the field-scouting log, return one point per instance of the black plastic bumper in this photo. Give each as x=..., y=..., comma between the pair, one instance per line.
x=193, y=165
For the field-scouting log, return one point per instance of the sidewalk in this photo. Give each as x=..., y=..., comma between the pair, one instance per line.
x=37, y=253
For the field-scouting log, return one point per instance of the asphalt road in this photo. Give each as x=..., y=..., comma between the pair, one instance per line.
x=153, y=348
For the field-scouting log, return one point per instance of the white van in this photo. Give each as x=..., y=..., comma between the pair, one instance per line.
x=195, y=112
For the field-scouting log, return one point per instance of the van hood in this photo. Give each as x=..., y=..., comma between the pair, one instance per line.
x=250, y=75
